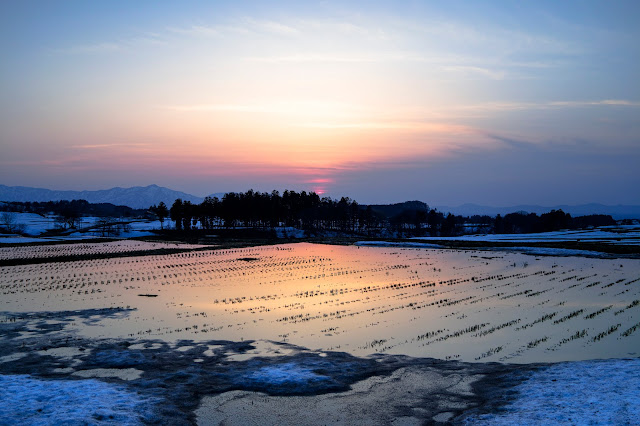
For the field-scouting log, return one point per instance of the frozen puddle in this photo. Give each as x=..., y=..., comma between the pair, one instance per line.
x=27, y=400
x=585, y=392
x=283, y=374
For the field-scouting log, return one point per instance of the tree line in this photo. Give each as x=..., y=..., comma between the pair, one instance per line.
x=72, y=208
x=264, y=210
x=524, y=223
x=310, y=212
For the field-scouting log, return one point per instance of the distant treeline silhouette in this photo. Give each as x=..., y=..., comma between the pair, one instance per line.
x=310, y=212
x=254, y=209
x=524, y=223
x=74, y=208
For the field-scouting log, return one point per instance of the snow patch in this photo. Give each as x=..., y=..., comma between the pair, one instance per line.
x=602, y=392
x=27, y=400
x=289, y=232
x=284, y=374
x=548, y=251
x=627, y=235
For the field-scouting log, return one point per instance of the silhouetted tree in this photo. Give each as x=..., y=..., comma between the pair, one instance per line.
x=434, y=219
x=161, y=211
x=448, y=228
x=177, y=213
x=499, y=225
x=9, y=222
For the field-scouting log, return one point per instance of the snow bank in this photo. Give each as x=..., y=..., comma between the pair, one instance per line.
x=629, y=235
x=26, y=400
x=586, y=392
x=34, y=224
x=549, y=251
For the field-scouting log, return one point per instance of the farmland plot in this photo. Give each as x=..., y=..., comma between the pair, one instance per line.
x=447, y=304
x=82, y=249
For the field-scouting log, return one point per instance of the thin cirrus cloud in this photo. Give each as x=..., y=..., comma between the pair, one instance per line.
x=306, y=108
x=291, y=108
x=296, y=26
x=84, y=49
x=263, y=91
x=110, y=145
x=246, y=26
x=134, y=42
x=406, y=56
x=491, y=44
x=519, y=106
x=605, y=102
x=414, y=126
x=471, y=70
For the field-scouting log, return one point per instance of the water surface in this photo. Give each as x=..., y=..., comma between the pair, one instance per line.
x=447, y=304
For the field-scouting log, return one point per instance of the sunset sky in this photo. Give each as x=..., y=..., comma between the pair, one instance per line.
x=497, y=103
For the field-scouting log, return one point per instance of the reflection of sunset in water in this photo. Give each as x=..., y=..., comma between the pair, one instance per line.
x=467, y=305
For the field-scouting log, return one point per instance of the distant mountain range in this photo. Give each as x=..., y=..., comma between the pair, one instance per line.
x=141, y=197
x=617, y=212
x=138, y=197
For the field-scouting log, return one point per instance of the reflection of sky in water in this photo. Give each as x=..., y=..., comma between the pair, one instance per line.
x=473, y=306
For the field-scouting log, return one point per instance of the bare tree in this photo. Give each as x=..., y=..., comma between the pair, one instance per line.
x=106, y=227
x=8, y=220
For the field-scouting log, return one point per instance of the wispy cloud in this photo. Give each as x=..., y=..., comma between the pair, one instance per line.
x=519, y=106
x=241, y=26
x=268, y=26
x=497, y=39
x=478, y=71
x=219, y=107
x=607, y=102
x=355, y=58
x=196, y=30
x=293, y=108
x=513, y=142
x=110, y=145
x=89, y=49
x=415, y=126
x=144, y=39
x=344, y=27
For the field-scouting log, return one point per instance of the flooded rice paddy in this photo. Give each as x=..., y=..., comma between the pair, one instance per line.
x=447, y=304
x=81, y=249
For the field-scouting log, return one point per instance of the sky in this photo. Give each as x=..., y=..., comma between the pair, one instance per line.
x=488, y=102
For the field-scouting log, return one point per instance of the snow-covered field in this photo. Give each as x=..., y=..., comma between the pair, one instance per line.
x=600, y=392
x=33, y=226
x=30, y=401
x=622, y=234
x=81, y=249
